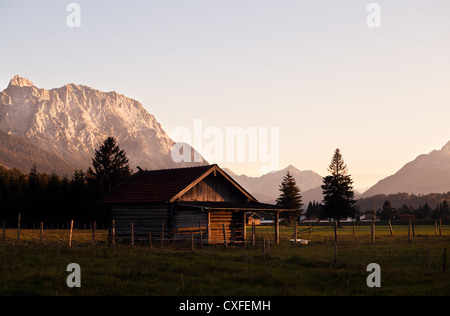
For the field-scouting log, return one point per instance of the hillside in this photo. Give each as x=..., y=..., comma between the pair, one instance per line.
x=17, y=153
x=426, y=174
x=400, y=199
x=72, y=121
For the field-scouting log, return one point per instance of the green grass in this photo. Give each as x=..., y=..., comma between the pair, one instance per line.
x=32, y=267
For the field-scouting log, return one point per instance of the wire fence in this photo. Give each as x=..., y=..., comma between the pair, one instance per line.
x=94, y=234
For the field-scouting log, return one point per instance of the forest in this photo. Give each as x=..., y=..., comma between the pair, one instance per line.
x=40, y=196
x=46, y=197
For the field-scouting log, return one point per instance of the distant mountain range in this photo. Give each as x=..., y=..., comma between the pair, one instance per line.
x=266, y=188
x=426, y=174
x=60, y=129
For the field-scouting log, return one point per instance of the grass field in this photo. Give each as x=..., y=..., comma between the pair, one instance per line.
x=35, y=267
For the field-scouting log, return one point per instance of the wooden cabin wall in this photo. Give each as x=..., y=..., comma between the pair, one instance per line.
x=189, y=220
x=214, y=189
x=233, y=226
x=179, y=224
x=146, y=219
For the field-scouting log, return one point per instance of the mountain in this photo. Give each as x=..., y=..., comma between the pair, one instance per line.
x=17, y=153
x=426, y=174
x=72, y=121
x=266, y=187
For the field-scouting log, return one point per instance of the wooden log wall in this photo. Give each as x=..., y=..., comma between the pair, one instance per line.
x=233, y=226
x=187, y=221
x=146, y=220
x=179, y=224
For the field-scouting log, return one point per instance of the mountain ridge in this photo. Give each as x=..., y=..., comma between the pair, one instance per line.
x=73, y=120
x=266, y=187
x=428, y=173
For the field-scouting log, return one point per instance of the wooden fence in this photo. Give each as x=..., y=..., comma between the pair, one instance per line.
x=92, y=233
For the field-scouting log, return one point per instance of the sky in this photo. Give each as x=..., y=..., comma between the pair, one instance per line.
x=313, y=69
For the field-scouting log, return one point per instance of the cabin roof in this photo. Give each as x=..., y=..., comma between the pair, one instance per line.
x=164, y=185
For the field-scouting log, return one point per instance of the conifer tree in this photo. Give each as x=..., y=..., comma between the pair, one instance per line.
x=339, y=198
x=290, y=198
x=110, y=166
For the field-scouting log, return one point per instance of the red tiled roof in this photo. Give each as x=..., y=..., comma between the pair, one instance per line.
x=155, y=186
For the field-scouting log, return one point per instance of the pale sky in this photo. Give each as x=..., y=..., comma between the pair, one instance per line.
x=313, y=69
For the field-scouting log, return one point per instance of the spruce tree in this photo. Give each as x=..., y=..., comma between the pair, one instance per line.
x=110, y=166
x=339, y=198
x=290, y=198
x=388, y=212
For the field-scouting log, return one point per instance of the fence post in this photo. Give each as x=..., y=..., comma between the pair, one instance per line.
x=132, y=235
x=4, y=231
x=18, y=228
x=225, y=236
x=71, y=233
x=94, y=224
x=391, y=229
x=201, y=232
x=264, y=248
x=113, y=233
x=277, y=228
x=409, y=231
x=336, y=232
x=150, y=241
x=192, y=242
x=41, y=232
x=295, y=232
x=335, y=251
x=373, y=232
x=253, y=234
x=244, y=228
x=440, y=227
x=162, y=235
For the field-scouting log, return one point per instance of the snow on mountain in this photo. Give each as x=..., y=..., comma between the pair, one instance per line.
x=72, y=121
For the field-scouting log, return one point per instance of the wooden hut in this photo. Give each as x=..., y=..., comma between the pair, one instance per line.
x=177, y=202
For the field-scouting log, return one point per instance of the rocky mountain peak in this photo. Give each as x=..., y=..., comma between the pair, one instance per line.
x=446, y=148
x=72, y=121
x=18, y=81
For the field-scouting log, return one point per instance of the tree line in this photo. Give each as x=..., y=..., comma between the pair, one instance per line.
x=339, y=199
x=441, y=211
x=47, y=197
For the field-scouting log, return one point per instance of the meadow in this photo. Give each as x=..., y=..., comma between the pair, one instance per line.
x=36, y=266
